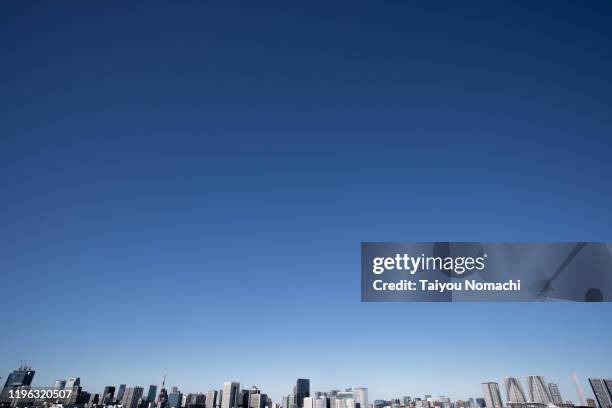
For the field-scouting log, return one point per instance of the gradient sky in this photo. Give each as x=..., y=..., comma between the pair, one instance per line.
x=185, y=186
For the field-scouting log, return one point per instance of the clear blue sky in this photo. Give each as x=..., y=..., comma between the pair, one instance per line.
x=185, y=186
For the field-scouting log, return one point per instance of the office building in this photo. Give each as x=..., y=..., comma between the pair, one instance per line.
x=230, y=393
x=492, y=395
x=258, y=400
x=94, y=399
x=120, y=392
x=175, y=398
x=72, y=382
x=131, y=395
x=20, y=377
x=538, y=391
x=360, y=395
x=211, y=399
x=514, y=390
x=151, y=393
x=602, y=391
x=107, y=395
x=555, y=395
x=302, y=390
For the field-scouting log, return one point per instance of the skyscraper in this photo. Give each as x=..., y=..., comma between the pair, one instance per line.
x=555, y=395
x=72, y=382
x=152, y=392
x=602, y=391
x=211, y=399
x=514, y=390
x=302, y=390
x=257, y=400
x=131, y=396
x=230, y=392
x=361, y=397
x=492, y=396
x=120, y=392
x=21, y=376
x=175, y=398
x=108, y=395
x=538, y=392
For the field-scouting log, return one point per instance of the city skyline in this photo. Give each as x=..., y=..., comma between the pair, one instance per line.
x=514, y=384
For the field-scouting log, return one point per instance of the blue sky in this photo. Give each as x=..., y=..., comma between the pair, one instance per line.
x=185, y=187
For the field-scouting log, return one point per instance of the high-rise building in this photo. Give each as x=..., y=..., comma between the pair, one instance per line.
x=538, y=391
x=175, y=398
x=151, y=393
x=492, y=395
x=230, y=392
x=131, y=395
x=211, y=399
x=72, y=382
x=243, y=399
x=602, y=391
x=321, y=403
x=555, y=395
x=107, y=395
x=59, y=384
x=120, y=392
x=258, y=400
x=360, y=395
x=302, y=390
x=481, y=402
x=514, y=390
x=94, y=399
x=20, y=377
x=444, y=401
